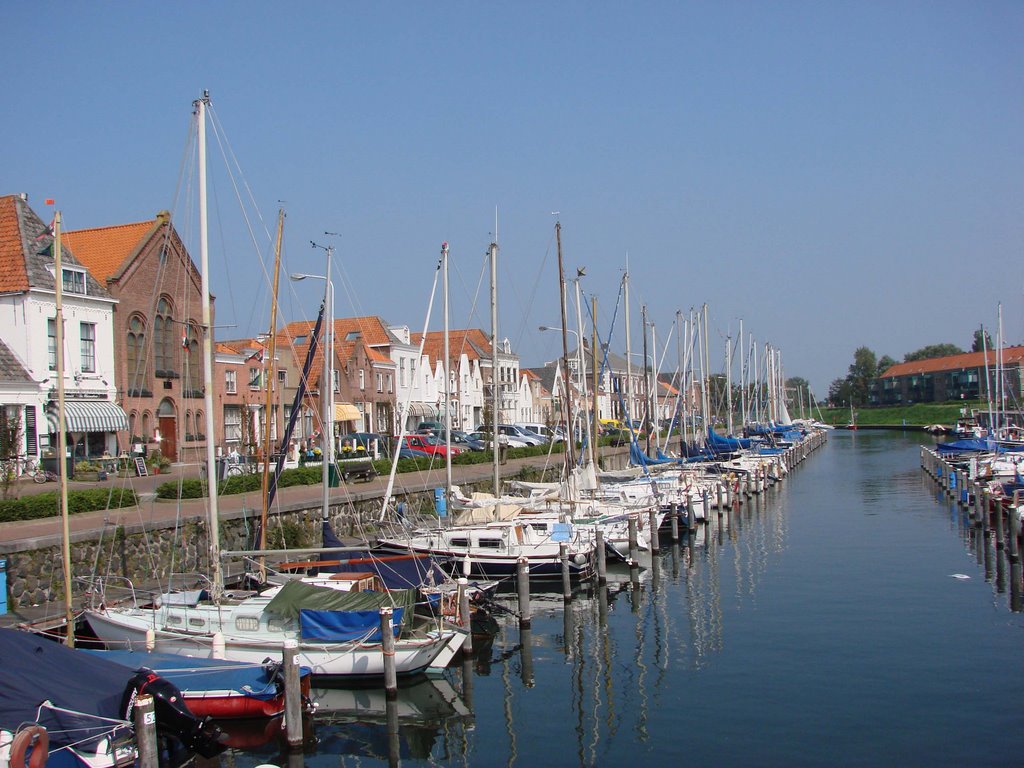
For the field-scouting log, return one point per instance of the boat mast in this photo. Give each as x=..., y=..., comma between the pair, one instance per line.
x=570, y=441
x=494, y=371
x=646, y=420
x=728, y=383
x=447, y=383
x=629, y=365
x=595, y=416
x=268, y=412
x=204, y=269
x=62, y=438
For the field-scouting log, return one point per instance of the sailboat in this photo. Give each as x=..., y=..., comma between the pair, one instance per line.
x=489, y=537
x=337, y=632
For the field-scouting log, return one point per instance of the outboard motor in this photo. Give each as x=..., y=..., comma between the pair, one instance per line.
x=173, y=717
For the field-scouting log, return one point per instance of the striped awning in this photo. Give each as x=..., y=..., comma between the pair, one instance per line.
x=91, y=416
x=346, y=412
x=422, y=409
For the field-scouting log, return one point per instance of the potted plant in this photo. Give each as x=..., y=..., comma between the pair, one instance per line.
x=86, y=470
x=158, y=463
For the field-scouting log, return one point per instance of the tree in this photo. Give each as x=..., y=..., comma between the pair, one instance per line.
x=839, y=392
x=797, y=392
x=982, y=341
x=885, y=364
x=933, y=350
x=862, y=371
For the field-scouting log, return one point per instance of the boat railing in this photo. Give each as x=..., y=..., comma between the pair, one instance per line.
x=107, y=591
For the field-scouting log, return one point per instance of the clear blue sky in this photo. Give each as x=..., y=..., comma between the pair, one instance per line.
x=835, y=174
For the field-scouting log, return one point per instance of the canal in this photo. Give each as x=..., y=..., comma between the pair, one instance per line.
x=848, y=616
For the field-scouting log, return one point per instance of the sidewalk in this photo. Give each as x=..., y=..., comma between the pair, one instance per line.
x=28, y=534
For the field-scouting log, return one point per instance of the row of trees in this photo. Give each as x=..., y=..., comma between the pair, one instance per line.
x=853, y=389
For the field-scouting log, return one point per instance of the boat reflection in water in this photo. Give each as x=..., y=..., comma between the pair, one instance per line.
x=601, y=663
x=428, y=720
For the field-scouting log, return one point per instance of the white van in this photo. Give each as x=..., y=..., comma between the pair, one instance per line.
x=541, y=430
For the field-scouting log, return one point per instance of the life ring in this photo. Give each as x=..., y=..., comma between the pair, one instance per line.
x=34, y=738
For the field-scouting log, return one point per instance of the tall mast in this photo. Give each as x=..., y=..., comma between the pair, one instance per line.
x=570, y=441
x=581, y=367
x=62, y=438
x=647, y=380
x=447, y=382
x=728, y=383
x=593, y=358
x=207, y=317
x=494, y=369
x=629, y=364
x=268, y=410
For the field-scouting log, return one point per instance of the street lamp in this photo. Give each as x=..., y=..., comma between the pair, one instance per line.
x=326, y=398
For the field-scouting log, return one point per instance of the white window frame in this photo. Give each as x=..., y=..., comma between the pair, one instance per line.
x=231, y=382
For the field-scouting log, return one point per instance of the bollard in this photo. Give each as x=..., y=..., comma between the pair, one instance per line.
x=464, y=615
x=705, y=499
x=691, y=517
x=292, y=693
x=673, y=520
x=145, y=732
x=652, y=526
x=523, y=582
x=602, y=564
x=728, y=495
x=632, y=539
x=718, y=497
x=979, y=519
x=387, y=648
x=563, y=556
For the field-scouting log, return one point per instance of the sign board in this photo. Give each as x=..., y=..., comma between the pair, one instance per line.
x=140, y=467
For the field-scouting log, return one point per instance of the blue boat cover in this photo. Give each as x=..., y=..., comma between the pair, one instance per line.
x=972, y=444
x=393, y=572
x=195, y=675
x=344, y=626
x=718, y=442
x=35, y=669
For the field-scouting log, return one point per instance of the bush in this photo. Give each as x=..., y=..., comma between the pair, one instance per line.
x=301, y=476
x=240, y=484
x=48, y=504
x=192, y=488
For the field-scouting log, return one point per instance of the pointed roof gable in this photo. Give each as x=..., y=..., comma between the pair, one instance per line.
x=472, y=341
x=26, y=251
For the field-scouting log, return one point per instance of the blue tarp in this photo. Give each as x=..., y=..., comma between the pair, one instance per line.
x=720, y=443
x=344, y=626
x=973, y=444
x=35, y=669
x=394, y=572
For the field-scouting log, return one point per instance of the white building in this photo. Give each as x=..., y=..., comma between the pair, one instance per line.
x=28, y=331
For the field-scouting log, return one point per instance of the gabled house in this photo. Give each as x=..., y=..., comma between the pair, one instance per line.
x=471, y=376
x=967, y=376
x=157, y=330
x=96, y=424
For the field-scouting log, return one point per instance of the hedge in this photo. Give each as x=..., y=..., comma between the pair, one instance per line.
x=48, y=504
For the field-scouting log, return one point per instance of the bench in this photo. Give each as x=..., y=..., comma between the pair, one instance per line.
x=357, y=470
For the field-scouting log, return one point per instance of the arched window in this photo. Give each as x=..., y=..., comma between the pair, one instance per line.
x=163, y=337
x=200, y=426
x=147, y=430
x=135, y=353
x=189, y=432
x=193, y=367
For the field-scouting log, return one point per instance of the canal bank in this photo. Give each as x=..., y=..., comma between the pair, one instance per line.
x=148, y=542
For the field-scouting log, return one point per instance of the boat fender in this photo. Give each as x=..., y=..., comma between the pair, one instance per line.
x=579, y=558
x=33, y=738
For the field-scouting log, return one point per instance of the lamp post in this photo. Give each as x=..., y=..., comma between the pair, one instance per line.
x=327, y=388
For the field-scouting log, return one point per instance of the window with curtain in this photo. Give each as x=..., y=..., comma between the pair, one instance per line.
x=51, y=342
x=163, y=337
x=135, y=353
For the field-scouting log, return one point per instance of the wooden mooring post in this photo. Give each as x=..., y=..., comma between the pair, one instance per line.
x=523, y=584
x=145, y=732
x=292, y=693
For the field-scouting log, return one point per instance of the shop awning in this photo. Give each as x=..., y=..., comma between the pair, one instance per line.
x=422, y=409
x=92, y=416
x=346, y=412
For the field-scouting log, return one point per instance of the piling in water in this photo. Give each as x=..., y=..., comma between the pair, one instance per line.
x=292, y=693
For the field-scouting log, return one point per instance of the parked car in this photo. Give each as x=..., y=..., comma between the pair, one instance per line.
x=511, y=430
x=429, y=445
x=484, y=435
x=460, y=440
x=541, y=430
x=429, y=426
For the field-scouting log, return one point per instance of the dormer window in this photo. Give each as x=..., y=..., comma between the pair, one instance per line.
x=352, y=335
x=74, y=281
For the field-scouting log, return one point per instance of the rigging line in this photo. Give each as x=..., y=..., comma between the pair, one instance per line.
x=231, y=164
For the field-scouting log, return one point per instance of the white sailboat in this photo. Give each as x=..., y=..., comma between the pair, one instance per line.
x=250, y=627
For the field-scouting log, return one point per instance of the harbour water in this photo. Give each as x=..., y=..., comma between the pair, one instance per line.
x=828, y=622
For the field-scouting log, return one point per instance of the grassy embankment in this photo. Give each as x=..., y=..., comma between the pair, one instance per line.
x=917, y=415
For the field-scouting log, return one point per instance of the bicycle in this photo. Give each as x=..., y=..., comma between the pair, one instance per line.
x=38, y=474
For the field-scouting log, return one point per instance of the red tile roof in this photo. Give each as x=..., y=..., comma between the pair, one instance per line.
x=102, y=250
x=13, y=276
x=473, y=342
x=953, y=362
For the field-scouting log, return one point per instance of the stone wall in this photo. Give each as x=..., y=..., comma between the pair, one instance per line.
x=147, y=555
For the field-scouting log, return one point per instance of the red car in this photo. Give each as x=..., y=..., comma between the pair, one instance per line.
x=428, y=445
